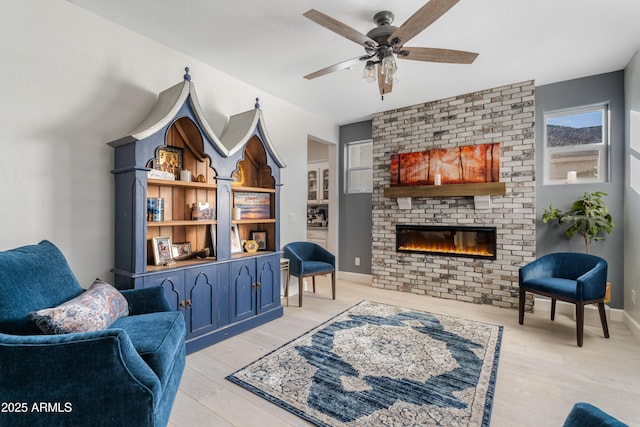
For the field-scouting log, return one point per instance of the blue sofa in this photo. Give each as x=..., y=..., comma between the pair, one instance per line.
x=125, y=375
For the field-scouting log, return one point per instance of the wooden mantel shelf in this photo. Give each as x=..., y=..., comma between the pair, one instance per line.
x=450, y=190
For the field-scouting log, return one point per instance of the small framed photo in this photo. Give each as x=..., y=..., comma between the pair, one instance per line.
x=236, y=246
x=162, y=251
x=169, y=159
x=180, y=249
x=261, y=239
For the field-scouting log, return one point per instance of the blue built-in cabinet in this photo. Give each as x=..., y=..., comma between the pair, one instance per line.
x=229, y=287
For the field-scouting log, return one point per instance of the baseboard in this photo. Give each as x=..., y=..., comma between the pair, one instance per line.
x=633, y=326
x=590, y=311
x=354, y=277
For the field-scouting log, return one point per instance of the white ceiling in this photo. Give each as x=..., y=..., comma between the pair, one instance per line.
x=270, y=45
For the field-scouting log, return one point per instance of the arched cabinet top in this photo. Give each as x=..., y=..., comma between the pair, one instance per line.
x=239, y=130
x=242, y=127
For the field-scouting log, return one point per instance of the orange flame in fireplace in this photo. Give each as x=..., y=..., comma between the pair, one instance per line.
x=445, y=248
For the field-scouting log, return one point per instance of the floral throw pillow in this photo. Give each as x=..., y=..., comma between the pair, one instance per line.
x=95, y=309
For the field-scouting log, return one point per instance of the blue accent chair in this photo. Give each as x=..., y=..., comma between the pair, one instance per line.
x=576, y=278
x=586, y=415
x=125, y=375
x=308, y=259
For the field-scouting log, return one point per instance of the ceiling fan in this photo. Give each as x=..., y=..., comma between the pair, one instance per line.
x=386, y=42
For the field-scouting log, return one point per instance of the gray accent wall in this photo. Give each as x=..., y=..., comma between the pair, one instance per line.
x=355, y=210
x=631, y=196
x=603, y=88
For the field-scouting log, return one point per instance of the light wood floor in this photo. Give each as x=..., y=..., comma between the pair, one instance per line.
x=541, y=373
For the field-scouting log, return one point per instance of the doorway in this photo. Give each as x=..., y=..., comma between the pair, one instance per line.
x=322, y=196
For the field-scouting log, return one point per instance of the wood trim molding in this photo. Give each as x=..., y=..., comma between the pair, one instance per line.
x=450, y=190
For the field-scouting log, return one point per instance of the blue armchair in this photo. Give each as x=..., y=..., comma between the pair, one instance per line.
x=566, y=276
x=125, y=375
x=309, y=259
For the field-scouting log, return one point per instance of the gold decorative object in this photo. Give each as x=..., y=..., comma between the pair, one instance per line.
x=251, y=246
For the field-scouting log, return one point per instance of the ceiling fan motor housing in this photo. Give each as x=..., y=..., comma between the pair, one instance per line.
x=384, y=28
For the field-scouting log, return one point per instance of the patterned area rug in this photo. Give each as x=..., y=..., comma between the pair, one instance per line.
x=377, y=364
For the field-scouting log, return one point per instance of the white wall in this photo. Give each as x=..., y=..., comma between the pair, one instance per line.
x=631, y=195
x=70, y=82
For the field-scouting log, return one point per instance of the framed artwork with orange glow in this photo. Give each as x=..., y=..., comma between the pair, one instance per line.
x=458, y=165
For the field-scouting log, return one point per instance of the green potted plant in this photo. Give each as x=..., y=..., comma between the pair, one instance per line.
x=589, y=216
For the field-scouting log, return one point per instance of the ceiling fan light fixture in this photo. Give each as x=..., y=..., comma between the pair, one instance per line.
x=388, y=65
x=391, y=78
x=369, y=72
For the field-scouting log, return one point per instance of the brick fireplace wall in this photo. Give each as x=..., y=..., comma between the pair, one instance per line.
x=504, y=114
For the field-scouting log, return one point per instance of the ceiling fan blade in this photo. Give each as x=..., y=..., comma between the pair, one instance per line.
x=339, y=66
x=339, y=28
x=384, y=88
x=420, y=20
x=437, y=55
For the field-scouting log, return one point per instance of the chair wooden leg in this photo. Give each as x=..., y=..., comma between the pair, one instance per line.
x=603, y=319
x=300, y=286
x=313, y=280
x=580, y=322
x=523, y=294
x=553, y=309
x=333, y=284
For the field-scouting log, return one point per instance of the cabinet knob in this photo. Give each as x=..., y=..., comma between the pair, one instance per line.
x=189, y=305
x=181, y=304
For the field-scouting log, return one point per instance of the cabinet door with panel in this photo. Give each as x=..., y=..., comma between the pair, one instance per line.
x=268, y=282
x=255, y=286
x=243, y=289
x=195, y=292
x=173, y=284
x=202, y=299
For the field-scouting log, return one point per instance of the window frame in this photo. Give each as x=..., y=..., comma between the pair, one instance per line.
x=348, y=168
x=603, y=147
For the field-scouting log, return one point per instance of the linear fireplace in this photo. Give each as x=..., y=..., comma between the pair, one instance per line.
x=472, y=242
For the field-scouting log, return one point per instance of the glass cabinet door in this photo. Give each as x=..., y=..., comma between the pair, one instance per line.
x=325, y=184
x=312, y=185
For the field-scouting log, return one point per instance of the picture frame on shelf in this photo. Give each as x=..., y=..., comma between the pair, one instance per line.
x=162, y=251
x=236, y=245
x=180, y=249
x=260, y=237
x=169, y=159
x=253, y=205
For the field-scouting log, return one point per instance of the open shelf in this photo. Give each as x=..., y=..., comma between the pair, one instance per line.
x=250, y=254
x=254, y=221
x=185, y=184
x=181, y=222
x=180, y=264
x=243, y=189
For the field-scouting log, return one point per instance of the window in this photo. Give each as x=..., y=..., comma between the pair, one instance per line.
x=576, y=145
x=359, y=167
